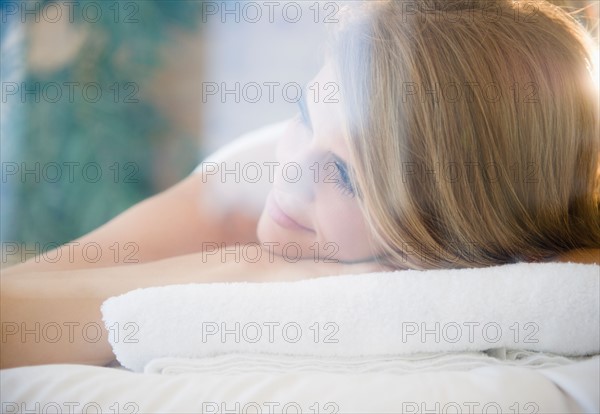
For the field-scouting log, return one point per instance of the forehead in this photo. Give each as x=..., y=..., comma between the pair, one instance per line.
x=323, y=99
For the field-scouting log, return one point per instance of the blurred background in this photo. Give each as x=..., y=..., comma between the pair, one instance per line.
x=105, y=103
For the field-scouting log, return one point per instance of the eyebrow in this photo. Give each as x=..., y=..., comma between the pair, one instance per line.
x=304, y=108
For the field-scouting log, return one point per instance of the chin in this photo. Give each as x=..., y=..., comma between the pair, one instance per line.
x=262, y=229
x=268, y=232
x=280, y=241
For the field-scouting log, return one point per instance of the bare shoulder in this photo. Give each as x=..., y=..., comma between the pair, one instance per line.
x=585, y=256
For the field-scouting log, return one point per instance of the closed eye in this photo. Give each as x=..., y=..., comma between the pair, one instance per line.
x=342, y=180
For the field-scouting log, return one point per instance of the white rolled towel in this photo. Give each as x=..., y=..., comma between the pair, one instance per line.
x=549, y=307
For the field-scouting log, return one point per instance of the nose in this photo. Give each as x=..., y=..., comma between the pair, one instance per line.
x=298, y=170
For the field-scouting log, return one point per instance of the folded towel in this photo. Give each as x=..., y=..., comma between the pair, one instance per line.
x=547, y=307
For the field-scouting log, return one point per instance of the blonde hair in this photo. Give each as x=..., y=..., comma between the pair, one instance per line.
x=473, y=128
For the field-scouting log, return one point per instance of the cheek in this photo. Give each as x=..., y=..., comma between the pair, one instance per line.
x=293, y=140
x=340, y=221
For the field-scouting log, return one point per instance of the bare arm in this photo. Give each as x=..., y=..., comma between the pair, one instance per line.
x=168, y=224
x=33, y=305
x=585, y=256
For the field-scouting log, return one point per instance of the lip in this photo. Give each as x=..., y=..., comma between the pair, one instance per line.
x=280, y=217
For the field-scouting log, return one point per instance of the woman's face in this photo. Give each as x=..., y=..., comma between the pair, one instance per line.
x=312, y=210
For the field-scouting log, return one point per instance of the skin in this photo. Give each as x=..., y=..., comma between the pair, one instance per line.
x=73, y=298
x=71, y=290
x=332, y=222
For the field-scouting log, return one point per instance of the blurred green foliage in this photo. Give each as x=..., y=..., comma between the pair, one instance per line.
x=115, y=133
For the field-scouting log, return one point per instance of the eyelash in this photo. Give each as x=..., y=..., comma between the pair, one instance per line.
x=342, y=180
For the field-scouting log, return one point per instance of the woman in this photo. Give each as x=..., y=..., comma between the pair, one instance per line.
x=465, y=135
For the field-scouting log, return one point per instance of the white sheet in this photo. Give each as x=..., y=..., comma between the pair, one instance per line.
x=236, y=364
x=568, y=389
